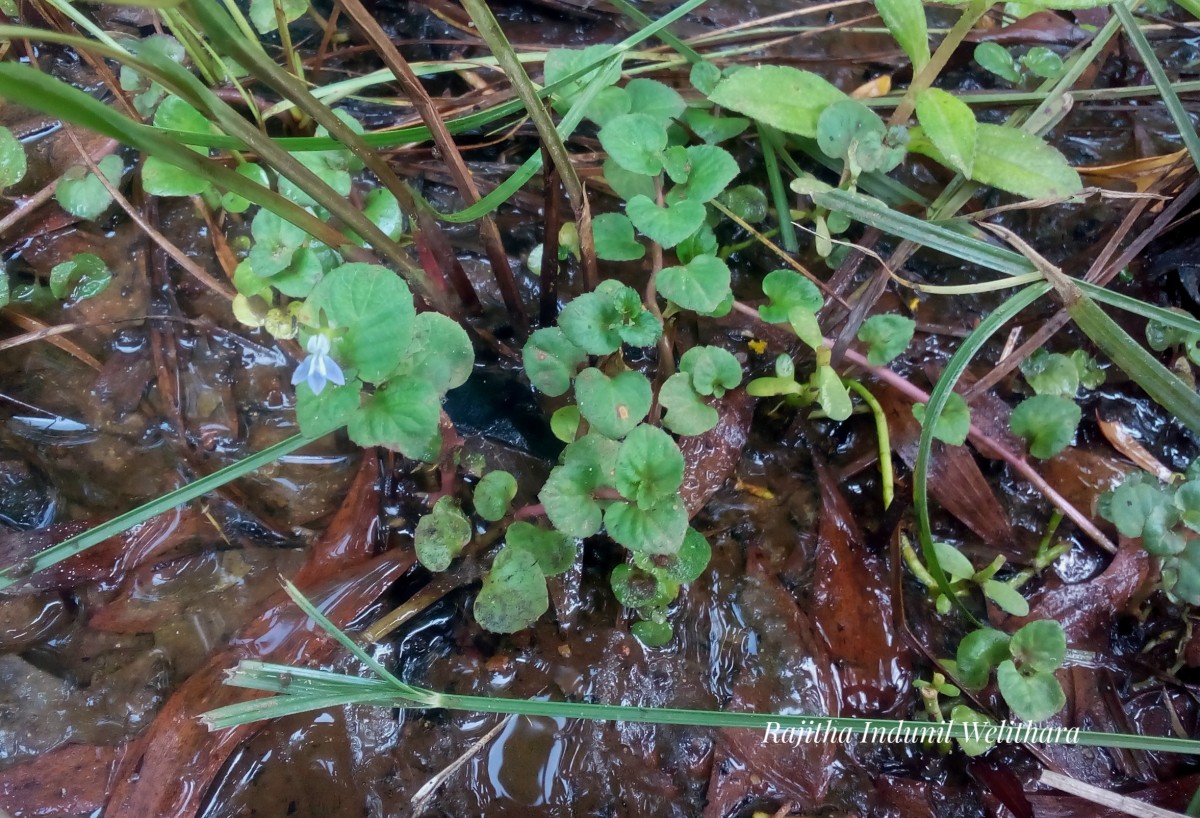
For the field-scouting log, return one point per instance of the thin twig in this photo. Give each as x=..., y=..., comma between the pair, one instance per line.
x=457, y=168
x=981, y=439
x=1104, y=798
x=180, y=258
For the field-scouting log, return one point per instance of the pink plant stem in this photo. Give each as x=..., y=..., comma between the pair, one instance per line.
x=981, y=440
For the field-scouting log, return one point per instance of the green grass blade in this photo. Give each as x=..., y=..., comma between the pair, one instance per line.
x=933, y=411
x=81, y=542
x=275, y=707
x=1161, y=384
x=874, y=729
x=291, y=681
x=772, y=145
x=951, y=242
x=1179, y=114
x=341, y=636
x=27, y=86
x=1128, y=303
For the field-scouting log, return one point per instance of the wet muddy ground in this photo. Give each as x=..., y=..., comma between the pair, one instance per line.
x=106, y=661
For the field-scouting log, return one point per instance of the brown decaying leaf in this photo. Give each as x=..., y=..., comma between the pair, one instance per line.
x=72, y=780
x=852, y=611
x=1124, y=442
x=709, y=459
x=108, y=559
x=743, y=765
x=169, y=768
x=955, y=480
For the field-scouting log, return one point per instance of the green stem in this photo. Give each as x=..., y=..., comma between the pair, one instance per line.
x=123, y=522
x=881, y=432
x=929, y=74
x=489, y=29
x=1187, y=131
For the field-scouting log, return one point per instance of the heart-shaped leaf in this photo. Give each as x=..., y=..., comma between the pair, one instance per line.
x=554, y=551
x=441, y=535
x=493, y=494
x=551, y=360
x=81, y=194
x=614, y=238
x=649, y=466
x=635, y=142
x=656, y=530
x=514, y=593
x=1031, y=698
x=666, y=225
x=613, y=406
x=686, y=413
x=700, y=285
x=402, y=416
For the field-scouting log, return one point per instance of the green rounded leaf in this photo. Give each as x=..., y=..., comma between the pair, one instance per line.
x=331, y=409
x=1048, y=422
x=493, y=494
x=713, y=369
x=551, y=360
x=783, y=97
x=275, y=242
x=613, y=406
x=1051, y=374
x=82, y=277
x=654, y=99
x=81, y=194
x=1040, y=645
x=704, y=76
x=1187, y=574
x=371, y=308
x=786, y=290
x=686, y=413
x=652, y=633
x=953, y=425
x=599, y=321
x=1130, y=505
x=656, y=530
x=161, y=178
x=690, y=561
x=1031, y=698
x=514, y=593
x=845, y=123
x=649, y=466
x=440, y=352
x=961, y=714
x=978, y=653
x=638, y=588
x=710, y=170
x=949, y=123
x=700, y=285
x=262, y=13
x=564, y=423
x=635, y=142
x=614, y=238
x=234, y=203
x=12, y=159
x=886, y=336
x=441, y=535
x=665, y=225
x=402, y=416
x=554, y=552
x=747, y=202
x=587, y=465
x=1042, y=61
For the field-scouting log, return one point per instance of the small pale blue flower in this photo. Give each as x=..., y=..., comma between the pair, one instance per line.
x=318, y=368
